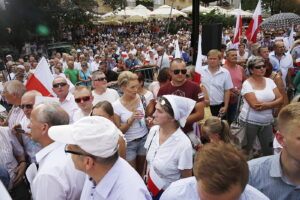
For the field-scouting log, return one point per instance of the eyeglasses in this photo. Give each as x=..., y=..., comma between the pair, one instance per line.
x=62, y=84
x=259, y=66
x=76, y=152
x=28, y=106
x=84, y=99
x=177, y=71
x=100, y=79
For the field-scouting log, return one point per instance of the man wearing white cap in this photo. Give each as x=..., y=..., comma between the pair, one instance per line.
x=96, y=153
x=56, y=178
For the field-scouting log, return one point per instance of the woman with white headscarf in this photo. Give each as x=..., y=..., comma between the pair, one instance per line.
x=169, y=150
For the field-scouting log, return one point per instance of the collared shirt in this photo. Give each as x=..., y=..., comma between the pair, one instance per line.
x=57, y=178
x=187, y=189
x=216, y=84
x=266, y=175
x=169, y=158
x=70, y=106
x=8, y=151
x=283, y=64
x=30, y=147
x=120, y=182
x=109, y=95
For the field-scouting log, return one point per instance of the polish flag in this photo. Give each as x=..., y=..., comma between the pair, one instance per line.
x=253, y=27
x=298, y=62
x=238, y=26
x=197, y=75
x=42, y=79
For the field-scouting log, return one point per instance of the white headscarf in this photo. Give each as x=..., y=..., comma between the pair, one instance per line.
x=182, y=107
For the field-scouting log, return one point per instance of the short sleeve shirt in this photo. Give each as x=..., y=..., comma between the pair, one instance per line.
x=73, y=74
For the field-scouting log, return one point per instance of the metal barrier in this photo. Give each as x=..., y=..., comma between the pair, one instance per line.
x=148, y=73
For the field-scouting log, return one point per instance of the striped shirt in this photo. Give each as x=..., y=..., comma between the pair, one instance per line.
x=266, y=176
x=7, y=152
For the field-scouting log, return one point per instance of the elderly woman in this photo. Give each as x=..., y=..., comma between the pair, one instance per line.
x=169, y=150
x=130, y=119
x=260, y=95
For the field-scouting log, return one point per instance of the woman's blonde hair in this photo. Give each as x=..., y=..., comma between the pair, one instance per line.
x=218, y=126
x=125, y=77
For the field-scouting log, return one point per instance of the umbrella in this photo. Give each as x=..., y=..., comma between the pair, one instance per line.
x=189, y=9
x=110, y=22
x=243, y=13
x=164, y=12
x=141, y=9
x=282, y=20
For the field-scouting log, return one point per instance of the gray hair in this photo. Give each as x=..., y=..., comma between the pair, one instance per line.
x=33, y=93
x=94, y=76
x=51, y=113
x=15, y=87
x=255, y=59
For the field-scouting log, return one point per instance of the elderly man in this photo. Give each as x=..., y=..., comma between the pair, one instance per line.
x=278, y=176
x=30, y=147
x=283, y=62
x=215, y=181
x=96, y=153
x=84, y=98
x=101, y=92
x=163, y=59
x=61, y=87
x=56, y=177
x=131, y=63
x=95, y=63
x=180, y=86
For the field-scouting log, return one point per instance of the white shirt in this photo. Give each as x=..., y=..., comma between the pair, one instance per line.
x=165, y=61
x=79, y=114
x=169, y=158
x=30, y=147
x=120, y=182
x=69, y=106
x=244, y=57
x=109, y=95
x=283, y=64
x=94, y=66
x=216, y=84
x=264, y=117
x=186, y=189
x=136, y=130
x=57, y=178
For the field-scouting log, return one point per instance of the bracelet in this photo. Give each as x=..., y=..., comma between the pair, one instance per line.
x=22, y=161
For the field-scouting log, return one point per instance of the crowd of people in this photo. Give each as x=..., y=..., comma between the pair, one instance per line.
x=114, y=132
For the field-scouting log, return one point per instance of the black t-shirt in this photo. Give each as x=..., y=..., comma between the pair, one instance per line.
x=111, y=76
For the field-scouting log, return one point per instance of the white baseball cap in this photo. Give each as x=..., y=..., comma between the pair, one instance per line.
x=96, y=135
x=20, y=67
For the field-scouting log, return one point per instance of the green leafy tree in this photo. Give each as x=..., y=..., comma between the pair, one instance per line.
x=114, y=4
x=30, y=19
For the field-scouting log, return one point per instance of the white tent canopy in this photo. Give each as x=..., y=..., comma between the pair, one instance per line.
x=243, y=13
x=164, y=12
x=127, y=15
x=189, y=9
x=141, y=9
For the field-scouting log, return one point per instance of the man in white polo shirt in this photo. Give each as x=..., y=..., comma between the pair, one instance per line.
x=101, y=92
x=95, y=152
x=217, y=81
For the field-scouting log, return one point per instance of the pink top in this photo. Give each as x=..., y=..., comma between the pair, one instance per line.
x=236, y=76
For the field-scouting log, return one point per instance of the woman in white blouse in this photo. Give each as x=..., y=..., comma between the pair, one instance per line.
x=169, y=151
x=260, y=95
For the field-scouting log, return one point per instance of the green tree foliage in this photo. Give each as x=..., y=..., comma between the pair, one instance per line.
x=33, y=18
x=215, y=17
x=114, y=4
x=274, y=6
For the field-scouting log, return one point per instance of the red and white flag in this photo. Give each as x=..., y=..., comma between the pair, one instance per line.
x=42, y=79
x=253, y=27
x=298, y=62
x=197, y=75
x=238, y=26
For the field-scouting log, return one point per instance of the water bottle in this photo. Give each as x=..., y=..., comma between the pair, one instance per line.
x=142, y=121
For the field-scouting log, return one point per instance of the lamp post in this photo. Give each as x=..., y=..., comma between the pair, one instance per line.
x=195, y=29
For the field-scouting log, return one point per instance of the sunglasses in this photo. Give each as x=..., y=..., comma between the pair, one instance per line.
x=259, y=66
x=177, y=71
x=100, y=79
x=62, y=84
x=28, y=106
x=84, y=99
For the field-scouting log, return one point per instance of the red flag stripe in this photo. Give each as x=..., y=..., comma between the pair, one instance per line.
x=34, y=84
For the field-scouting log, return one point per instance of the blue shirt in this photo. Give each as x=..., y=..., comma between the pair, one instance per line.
x=266, y=175
x=186, y=189
x=121, y=182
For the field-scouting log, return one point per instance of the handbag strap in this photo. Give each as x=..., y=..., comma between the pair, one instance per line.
x=145, y=171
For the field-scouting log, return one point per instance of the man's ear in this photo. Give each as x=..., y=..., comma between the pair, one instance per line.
x=88, y=163
x=280, y=138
